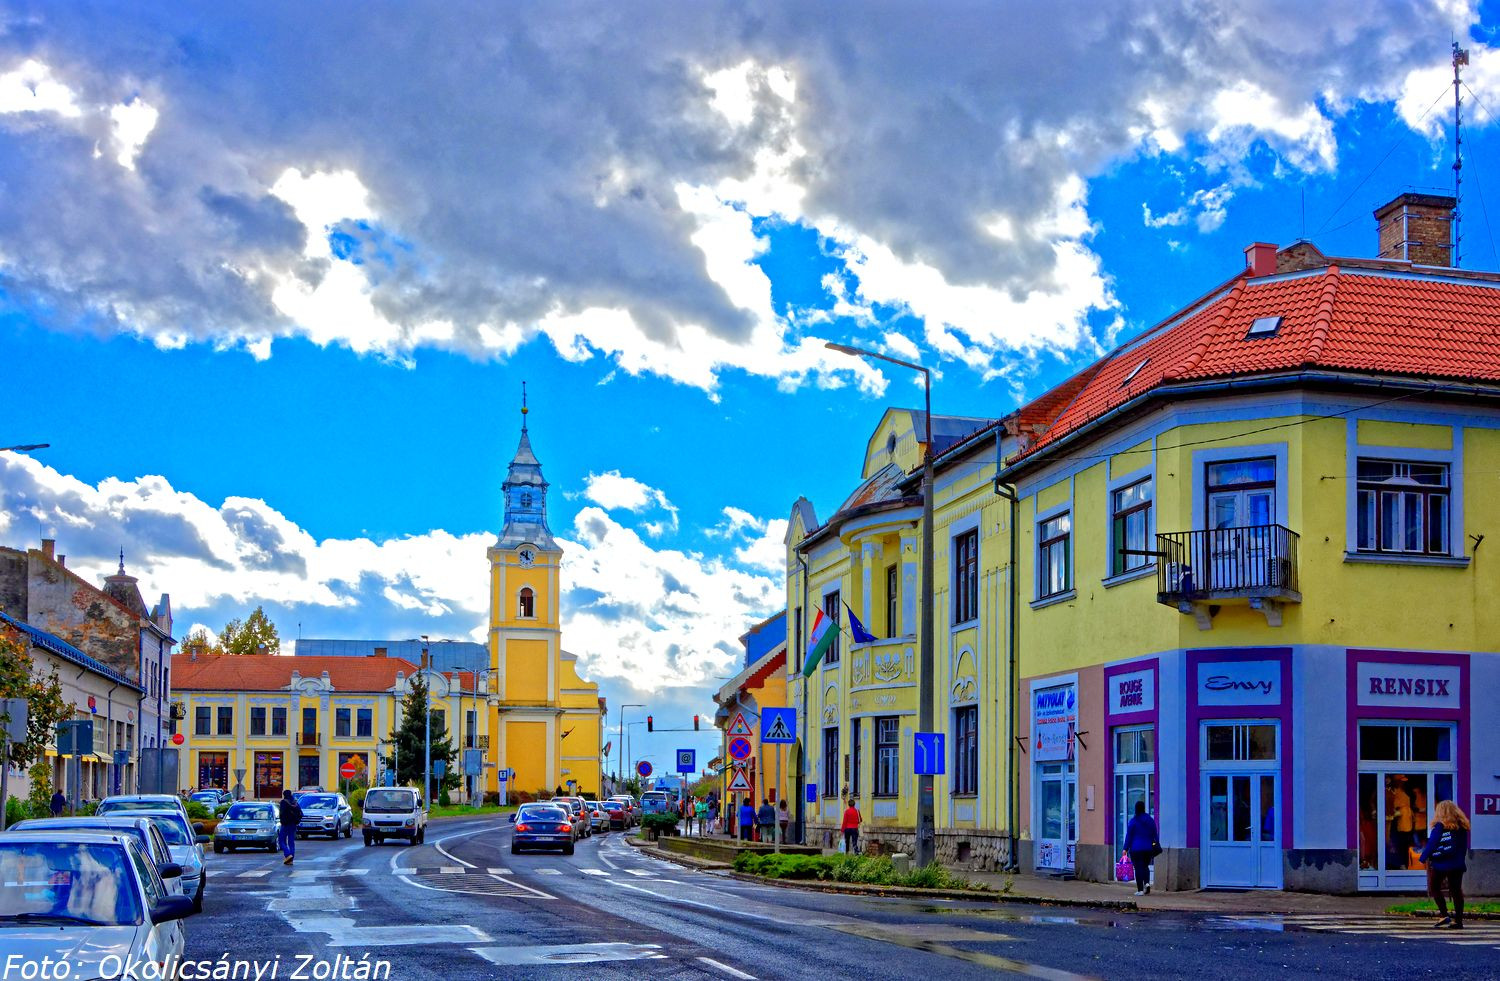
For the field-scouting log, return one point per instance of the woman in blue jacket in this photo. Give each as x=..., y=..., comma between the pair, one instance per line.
x=1444, y=856
x=1143, y=844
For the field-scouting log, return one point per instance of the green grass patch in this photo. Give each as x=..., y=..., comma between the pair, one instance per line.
x=861, y=869
x=464, y=810
x=1428, y=906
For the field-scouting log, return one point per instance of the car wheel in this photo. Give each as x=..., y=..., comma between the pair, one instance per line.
x=198, y=899
x=568, y=848
x=515, y=849
x=411, y=842
x=218, y=848
x=349, y=831
x=368, y=841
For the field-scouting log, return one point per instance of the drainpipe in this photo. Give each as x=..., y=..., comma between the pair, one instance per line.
x=109, y=720
x=1012, y=776
x=802, y=747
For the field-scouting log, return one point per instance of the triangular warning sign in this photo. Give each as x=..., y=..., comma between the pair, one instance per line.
x=739, y=783
x=777, y=730
x=738, y=726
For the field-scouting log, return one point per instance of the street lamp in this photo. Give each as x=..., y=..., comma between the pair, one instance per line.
x=621, y=751
x=24, y=447
x=427, y=730
x=926, y=850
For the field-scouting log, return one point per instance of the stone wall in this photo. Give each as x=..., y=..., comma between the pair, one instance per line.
x=63, y=603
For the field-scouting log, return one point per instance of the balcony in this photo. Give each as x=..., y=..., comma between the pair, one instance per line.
x=306, y=738
x=1197, y=572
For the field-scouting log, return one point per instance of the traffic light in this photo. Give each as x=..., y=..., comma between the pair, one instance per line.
x=695, y=723
x=649, y=725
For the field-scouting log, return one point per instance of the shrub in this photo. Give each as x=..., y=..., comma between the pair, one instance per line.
x=865, y=869
x=357, y=798
x=491, y=798
x=662, y=824
x=17, y=809
x=41, y=789
x=197, y=811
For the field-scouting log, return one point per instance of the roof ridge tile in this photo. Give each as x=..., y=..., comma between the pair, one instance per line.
x=1226, y=307
x=1324, y=313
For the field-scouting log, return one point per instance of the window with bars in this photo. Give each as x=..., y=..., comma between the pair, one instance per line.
x=966, y=750
x=1130, y=526
x=887, y=756
x=1053, y=570
x=1403, y=507
x=966, y=576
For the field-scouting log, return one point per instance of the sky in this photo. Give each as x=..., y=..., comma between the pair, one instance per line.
x=271, y=277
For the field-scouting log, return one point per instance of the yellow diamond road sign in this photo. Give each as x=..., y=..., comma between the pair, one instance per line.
x=738, y=727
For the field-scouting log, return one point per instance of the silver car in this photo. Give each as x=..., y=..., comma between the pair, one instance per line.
x=186, y=845
x=143, y=829
x=325, y=814
x=85, y=900
x=247, y=824
x=142, y=802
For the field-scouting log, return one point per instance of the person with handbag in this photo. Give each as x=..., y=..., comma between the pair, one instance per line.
x=1445, y=858
x=1144, y=844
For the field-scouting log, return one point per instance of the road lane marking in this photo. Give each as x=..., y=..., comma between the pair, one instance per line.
x=549, y=871
x=254, y=874
x=719, y=908
x=569, y=954
x=644, y=872
x=452, y=869
x=500, y=872
x=593, y=872
x=732, y=972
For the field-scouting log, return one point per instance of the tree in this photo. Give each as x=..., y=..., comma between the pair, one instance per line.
x=198, y=642
x=44, y=699
x=407, y=759
x=248, y=637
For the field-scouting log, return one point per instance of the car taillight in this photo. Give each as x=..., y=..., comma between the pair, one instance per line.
x=523, y=827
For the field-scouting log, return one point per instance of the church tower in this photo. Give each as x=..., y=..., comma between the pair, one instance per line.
x=548, y=719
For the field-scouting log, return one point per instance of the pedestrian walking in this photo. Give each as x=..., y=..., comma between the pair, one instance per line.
x=1143, y=844
x=782, y=820
x=689, y=813
x=1445, y=856
x=850, y=826
x=286, y=832
x=58, y=803
x=765, y=820
x=747, y=820
x=703, y=817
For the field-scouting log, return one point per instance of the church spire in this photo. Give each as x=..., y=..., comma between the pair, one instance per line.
x=525, y=491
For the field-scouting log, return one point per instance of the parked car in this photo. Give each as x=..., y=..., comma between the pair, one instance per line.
x=632, y=807
x=658, y=802
x=86, y=900
x=598, y=816
x=142, y=829
x=616, y=814
x=211, y=799
x=185, y=841
x=141, y=802
x=247, y=824
x=325, y=814
x=548, y=825
x=574, y=807
x=394, y=812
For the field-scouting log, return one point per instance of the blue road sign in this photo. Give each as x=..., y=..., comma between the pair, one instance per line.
x=643, y=768
x=122, y=757
x=687, y=760
x=928, y=755
x=778, y=725
x=812, y=793
x=504, y=775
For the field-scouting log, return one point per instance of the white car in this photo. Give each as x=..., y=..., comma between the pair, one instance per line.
x=186, y=845
x=90, y=900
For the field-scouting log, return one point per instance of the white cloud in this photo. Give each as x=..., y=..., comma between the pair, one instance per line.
x=944, y=164
x=612, y=490
x=762, y=542
x=671, y=623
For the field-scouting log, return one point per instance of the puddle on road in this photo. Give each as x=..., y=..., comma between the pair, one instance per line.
x=1037, y=919
x=1265, y=923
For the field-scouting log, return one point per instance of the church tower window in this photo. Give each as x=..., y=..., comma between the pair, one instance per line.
x=527, y=605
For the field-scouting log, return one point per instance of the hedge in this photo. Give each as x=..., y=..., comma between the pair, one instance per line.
x=865, y=869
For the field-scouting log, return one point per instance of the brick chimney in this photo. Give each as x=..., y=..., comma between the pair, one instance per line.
x=1417, y=228
x=49, y=548
x=381, y=651
x=1260, y=259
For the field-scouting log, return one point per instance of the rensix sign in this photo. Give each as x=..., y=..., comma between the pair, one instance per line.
x=1408, y=685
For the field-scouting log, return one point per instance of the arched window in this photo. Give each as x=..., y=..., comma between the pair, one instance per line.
x=526, y=499
x=528, y=603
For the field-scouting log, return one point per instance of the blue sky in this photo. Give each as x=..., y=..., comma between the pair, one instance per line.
x=271, y=299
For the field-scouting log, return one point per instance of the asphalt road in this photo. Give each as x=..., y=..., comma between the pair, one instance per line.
x=461, y=906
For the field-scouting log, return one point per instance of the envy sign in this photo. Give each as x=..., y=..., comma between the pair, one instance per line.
x=1239, y=683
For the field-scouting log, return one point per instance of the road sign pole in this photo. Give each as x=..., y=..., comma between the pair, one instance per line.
x=4, y=777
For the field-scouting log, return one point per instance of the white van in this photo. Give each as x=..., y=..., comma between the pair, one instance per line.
x=394, y=812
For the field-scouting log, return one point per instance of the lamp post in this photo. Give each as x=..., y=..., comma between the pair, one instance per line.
x=427, y=729
x=926, y=850
x=629, y=726
x=621, y=749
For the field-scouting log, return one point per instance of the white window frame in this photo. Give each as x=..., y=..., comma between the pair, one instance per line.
x=1452, y=458
x=1069, y=590
x=1144, y=475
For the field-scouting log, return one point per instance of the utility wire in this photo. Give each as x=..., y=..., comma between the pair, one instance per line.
x=1390, y=150
x=1483, y=205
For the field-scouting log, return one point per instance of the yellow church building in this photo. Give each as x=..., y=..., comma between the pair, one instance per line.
x=547, y=718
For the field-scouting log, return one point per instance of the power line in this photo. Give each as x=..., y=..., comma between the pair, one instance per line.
x=1483, y=205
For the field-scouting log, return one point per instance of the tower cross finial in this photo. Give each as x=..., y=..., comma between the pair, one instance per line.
x=524, y=410
x=122, y=560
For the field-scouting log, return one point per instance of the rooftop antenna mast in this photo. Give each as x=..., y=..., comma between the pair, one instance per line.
x=1460, y=58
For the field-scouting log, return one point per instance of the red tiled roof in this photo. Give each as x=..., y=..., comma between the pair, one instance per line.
x=260, y=672
x=1387, y=322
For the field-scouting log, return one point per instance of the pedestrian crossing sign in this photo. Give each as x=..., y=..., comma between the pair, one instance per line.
x=739, y=783
x=778, y=725
x=738, y=726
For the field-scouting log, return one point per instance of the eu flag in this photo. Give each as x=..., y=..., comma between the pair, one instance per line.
x=861, y=635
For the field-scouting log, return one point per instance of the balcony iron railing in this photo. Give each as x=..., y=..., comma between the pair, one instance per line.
x=1255, y=562
x=305, y=738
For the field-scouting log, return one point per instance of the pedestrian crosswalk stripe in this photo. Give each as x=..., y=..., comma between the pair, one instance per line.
x=253, y=874
x=1474, y=934
x=640, y=871
x=308, y=873
x=452, y=870
x=549, y=871
x=500, y=872
x=593, y=872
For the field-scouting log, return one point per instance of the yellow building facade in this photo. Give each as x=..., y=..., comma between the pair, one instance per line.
x=258, y=724
x=548, y=720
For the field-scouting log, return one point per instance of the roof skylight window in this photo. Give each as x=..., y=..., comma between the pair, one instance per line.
x=1134, y=371
x=1263, y=327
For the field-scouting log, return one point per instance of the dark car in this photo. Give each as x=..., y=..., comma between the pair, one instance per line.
x=542, y=826
x=325, y=814
x=618, y=816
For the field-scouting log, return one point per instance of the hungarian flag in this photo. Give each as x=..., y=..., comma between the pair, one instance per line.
x=824, y=632
x=606, y=749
